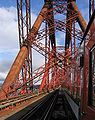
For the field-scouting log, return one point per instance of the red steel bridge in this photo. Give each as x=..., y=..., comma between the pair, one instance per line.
x=68, y=71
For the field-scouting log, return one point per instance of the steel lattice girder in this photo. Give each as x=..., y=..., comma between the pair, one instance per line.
x=31, y=39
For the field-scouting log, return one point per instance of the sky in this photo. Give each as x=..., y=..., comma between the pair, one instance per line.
x=9, y=45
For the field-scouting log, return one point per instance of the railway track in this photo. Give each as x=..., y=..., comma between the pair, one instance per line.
x=39, y=111
x=61, y=109
x=13, y=101
x=53, y=107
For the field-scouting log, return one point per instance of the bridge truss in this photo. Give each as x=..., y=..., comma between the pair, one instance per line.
x=57, y=18
x=56, y=34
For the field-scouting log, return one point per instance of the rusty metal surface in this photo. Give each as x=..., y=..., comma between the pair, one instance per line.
x=7, y=112
x=81, y=20
x=19, y=61
x=62, y=67
x=14, y=71
x=31, y=41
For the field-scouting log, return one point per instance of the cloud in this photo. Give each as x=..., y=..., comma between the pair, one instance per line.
x=8, y=39
x=38, y=60
x=8, y=31
x=4, y=65
x=9, y=28
x=33, y=18
x=60, y=38
x=9, y=45
x=6, y=59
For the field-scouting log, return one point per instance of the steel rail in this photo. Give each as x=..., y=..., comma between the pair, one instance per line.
x=50, y=107
x=16, y=101
x=31, y=114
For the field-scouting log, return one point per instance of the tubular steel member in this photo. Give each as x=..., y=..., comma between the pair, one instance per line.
x=29, y=41
x=68, y=37
x=45, y=80
x=91, y=7
x=80, y=19
x=37, y=24
x=69, y=24
x=18, y=63
x=50, y=21
x=87, y=109
x=14, y=71
x=24, y=25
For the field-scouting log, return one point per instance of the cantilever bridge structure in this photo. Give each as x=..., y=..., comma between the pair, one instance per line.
x=58, y=20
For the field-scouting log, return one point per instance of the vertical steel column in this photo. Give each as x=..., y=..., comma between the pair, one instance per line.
x=80, y=19
x=45, y=39
x=74, y=48
x=24, y=25
x=50, y=22
x=69, y=28
x=47, y=55
x=22, y=55
x=28, y=23
x=91, y=7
